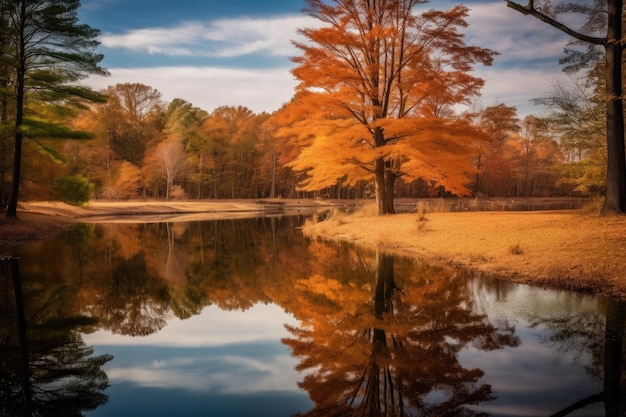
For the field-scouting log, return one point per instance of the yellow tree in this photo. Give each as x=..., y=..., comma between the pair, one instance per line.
x=377, y=84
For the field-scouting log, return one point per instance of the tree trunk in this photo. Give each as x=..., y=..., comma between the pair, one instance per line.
x=379, y=182
x=390, y=180
x=614, y=385
x=22, y=332
x=616, y=164
x=383, y=177
x=19, y=115
x=273, y=185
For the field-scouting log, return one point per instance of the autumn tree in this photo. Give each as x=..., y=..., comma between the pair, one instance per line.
x=123, y=128
x=601, y=17
x=44, y=52
x=228, y=140
x=536, y=154
x=167, y=162
x=498, y=122
x=377, y=82
x=374, y=341
x=131, y=117
x=577, y=118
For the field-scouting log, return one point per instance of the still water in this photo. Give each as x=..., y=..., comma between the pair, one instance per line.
x=249, y=318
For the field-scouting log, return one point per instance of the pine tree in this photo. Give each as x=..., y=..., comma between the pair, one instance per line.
x=45, y=51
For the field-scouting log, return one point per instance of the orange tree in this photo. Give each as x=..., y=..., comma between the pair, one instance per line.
x=377, y=87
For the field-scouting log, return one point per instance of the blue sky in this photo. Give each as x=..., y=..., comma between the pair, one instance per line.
x=237, y=52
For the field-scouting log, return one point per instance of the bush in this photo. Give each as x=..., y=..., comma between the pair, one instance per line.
x=75, y=190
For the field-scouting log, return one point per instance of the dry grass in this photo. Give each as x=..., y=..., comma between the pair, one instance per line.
x=563, y=249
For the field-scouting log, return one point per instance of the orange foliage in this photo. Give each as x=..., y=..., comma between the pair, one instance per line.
x=377, y=86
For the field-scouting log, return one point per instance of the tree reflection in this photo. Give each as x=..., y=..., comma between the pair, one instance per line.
x=602, y=337
x=46, y=369
x=391, y=349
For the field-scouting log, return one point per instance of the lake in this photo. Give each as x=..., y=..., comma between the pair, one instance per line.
x=247, y=317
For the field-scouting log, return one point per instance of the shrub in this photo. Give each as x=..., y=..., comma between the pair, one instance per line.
x=516, y=249
x=75, y=190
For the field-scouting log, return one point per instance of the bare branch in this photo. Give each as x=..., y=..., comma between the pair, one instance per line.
x=529, y=9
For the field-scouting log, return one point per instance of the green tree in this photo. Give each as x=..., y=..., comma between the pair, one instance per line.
x=603, y=16
x=185, y=121
x=74, y=189
x=577, y=119
x=45, y=51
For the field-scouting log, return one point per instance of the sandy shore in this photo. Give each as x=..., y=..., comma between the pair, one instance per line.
x=559, y=249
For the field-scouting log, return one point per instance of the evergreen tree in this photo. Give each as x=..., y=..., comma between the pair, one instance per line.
x=44, y=52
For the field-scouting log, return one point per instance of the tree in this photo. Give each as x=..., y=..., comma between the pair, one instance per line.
x=44, y=51
x=167, y=161
x=533, y=154
x=131, y=117
x=578, y=120
x=228, y=140
x=184, y=121
x=499, y=122
x=615, y=201
x=377, y=86
x=47, y=370
x=377, y=344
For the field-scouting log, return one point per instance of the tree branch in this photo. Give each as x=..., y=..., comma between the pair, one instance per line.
x=529, y=9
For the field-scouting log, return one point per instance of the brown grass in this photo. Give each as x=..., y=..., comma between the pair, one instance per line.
x=564, y=249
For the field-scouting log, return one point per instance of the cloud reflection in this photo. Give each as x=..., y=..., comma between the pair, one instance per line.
x=212, y=327
x=219, y=374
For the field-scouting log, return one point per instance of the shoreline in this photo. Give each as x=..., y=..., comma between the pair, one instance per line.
x=39, y=220
x=553, y=249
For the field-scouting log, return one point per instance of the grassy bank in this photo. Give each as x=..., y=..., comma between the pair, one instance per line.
x=559, y=249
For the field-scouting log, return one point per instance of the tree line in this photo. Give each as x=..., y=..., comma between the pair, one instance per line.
x=385, y=108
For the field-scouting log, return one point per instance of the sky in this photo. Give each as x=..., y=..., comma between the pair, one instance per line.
x=238, y=52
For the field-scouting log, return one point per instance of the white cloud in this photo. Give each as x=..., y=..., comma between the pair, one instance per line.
x=515, y=36
x=212, y=327
x=526, y=68
x=245, y=374
x=517, y=86
x=219, y=38
x=210, y=87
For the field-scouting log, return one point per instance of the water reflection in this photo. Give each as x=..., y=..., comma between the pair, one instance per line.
x=387, y=345
x=46, y=369
x=370, y=335
x=603, y=339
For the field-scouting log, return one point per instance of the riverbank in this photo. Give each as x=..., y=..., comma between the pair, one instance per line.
x=38, y=220
x=558, y=249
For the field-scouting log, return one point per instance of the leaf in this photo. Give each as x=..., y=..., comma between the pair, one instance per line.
x=37, y=128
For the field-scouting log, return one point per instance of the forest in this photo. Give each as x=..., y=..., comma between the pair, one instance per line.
x=143, y=147
x=387, y=105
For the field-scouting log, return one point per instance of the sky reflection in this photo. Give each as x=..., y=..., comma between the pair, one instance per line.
x=212, y=327
x=228, y=362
